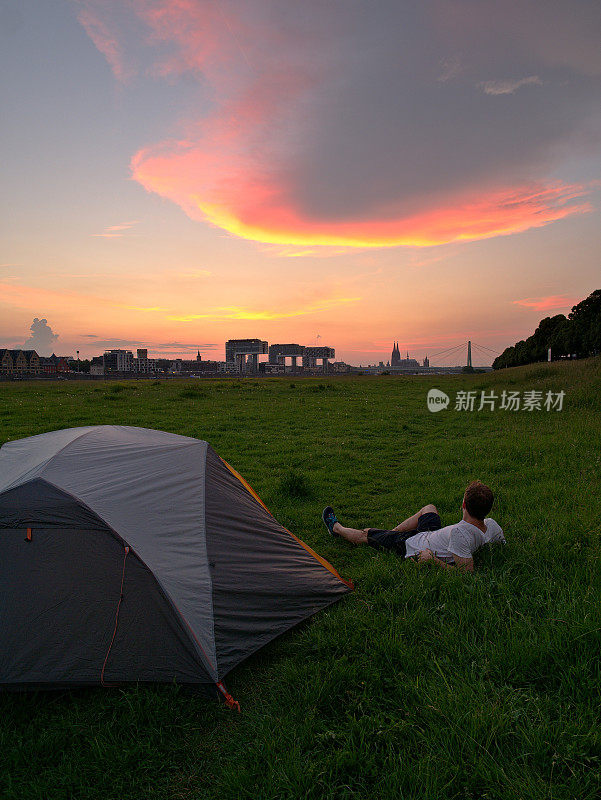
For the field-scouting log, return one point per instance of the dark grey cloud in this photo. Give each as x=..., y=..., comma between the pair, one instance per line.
x=42, y=337
x=402, y=120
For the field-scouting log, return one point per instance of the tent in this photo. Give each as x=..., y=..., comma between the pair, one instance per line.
x=129, y=554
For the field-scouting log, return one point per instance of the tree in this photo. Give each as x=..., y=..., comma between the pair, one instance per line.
x=579, y=333
x=586, y=323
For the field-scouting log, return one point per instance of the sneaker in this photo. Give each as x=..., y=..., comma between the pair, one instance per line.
x=329, y=519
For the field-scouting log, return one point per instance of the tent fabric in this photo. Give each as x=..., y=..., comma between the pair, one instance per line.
x=211, y=575
x=70, y=618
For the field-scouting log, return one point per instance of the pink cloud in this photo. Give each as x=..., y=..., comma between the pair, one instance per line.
x=106, y=41
x=116, y=231
x=556, y=301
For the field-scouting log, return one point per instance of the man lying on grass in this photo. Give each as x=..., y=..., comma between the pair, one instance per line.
x=422, y=536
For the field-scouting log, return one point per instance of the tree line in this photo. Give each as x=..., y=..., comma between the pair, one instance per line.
x=576, y=336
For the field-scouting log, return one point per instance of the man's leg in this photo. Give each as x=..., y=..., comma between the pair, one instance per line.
x=351, y=534
x=410, y=524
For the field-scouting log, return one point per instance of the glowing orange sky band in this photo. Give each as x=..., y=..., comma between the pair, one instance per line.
x=254, y=210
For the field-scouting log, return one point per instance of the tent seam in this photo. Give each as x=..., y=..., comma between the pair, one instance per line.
x=16, y=483
x=204, y=530
x=94, y=428
x=91, y=429
x=323, y=561
x=58, y=452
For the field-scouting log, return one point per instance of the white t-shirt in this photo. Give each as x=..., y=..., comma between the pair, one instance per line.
x=461, y=539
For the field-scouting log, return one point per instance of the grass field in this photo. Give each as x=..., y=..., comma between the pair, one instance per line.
x=422, y=683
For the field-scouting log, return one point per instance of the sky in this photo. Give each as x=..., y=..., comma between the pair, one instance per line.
x=176, y=173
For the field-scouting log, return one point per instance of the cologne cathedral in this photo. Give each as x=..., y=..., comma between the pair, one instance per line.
x=397, y=361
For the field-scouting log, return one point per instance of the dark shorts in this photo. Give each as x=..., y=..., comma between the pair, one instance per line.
x=393, y=540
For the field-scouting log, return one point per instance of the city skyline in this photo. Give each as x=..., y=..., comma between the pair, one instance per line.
x=182, y=173
x=44, y=342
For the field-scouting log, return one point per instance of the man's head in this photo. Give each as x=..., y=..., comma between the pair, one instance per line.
x=477, y=500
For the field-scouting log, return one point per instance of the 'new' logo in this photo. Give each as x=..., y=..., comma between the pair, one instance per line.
x=437, y=400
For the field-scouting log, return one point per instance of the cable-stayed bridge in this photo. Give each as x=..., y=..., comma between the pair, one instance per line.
x=450, y=360
x=445, y=357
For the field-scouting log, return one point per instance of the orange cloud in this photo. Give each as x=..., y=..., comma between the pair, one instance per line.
x=233, y=196
x=547, y=303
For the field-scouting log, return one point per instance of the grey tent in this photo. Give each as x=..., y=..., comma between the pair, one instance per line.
x=129, y=554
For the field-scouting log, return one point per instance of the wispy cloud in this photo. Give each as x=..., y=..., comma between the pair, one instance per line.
x=116, y=231
x=449, y=69
x=101, y=33
x=111, y=342
x=509, y=86
x=238, y=312
x=547, y=303
x=292, y=251
x=157, y=348
x=417, y=261
x=180, y=346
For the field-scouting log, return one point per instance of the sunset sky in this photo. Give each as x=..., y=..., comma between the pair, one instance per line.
x=180, y=172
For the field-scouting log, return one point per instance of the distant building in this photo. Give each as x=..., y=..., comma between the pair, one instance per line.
x=97, y=365
x=273, y=368
x=340, y=367
x=243, y=354
x=142, y=364
x=47, y=366
x=195, y=366
x=278, y=353
x=184, y=365
x=426, y=362
x=54, y=364
x=118, y=361
x=402, y=363
x=316, y=353
x=19, y=362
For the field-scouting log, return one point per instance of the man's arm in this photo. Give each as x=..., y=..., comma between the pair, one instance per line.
x=464, y=564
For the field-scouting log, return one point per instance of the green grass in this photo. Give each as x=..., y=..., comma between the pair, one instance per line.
x=420, y=684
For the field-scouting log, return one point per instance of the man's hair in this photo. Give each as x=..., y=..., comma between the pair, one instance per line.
x=478, y=499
